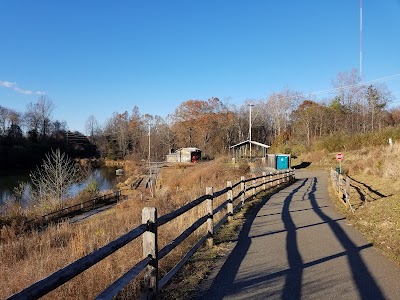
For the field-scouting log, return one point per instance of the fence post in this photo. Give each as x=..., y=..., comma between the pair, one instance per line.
x=271, y=183
x=340, y=194
x=337, y=181
x=229, y=198
x=347, y=191
x=254, y=187
x=243, y=188
x=264, y=175
x=150, y=249
x=210, y=223
x=348, y=185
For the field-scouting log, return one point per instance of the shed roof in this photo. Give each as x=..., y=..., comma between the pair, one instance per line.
x=250, y=142
x=190, y=149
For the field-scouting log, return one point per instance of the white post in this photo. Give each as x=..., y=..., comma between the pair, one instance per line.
x=264, y=174
x=250, y=105
x=150, y=180
x=150, y=248
x=271, y=183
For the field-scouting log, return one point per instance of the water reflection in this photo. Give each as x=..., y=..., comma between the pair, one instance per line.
x=8, y=183
x=105, y=177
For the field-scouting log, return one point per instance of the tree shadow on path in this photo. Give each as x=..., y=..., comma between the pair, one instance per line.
x=366, y=285
x=224, y=283
x=294, y=276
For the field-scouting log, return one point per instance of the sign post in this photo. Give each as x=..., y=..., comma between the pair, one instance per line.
x=339, y=157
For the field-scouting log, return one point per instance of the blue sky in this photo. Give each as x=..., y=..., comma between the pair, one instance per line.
x=98, y=57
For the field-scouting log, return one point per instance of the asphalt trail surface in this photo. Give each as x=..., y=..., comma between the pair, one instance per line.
x=295, y=246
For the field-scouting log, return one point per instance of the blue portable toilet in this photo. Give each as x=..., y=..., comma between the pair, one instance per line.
x=282, y=161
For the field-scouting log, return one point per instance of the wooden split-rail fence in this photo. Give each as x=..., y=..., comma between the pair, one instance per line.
x=80, y=207
x=342, y=188
x=236, y=196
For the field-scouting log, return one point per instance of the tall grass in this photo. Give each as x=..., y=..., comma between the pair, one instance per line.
x=380, y=161
x=345, y=142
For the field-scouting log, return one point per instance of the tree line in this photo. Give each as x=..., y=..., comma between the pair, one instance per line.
x=286, y=120
x=26, y=137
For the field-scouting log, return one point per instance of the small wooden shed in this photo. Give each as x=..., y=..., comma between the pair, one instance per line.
x=189, y=154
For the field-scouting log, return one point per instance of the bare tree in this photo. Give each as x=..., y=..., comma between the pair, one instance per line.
x=4, y=117
x=32, y=118
x=14, y=117
x=54, y=177
x=118, y=129
x=281, y=106
x=38, y=116
x=351, y=95
x=9, y=120
x=91, y=127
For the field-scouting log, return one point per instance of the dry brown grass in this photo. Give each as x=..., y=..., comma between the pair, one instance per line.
x=376, y=196
x=377, y=217
x=29, y=257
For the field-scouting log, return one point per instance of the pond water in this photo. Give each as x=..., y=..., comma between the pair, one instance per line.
x=105, y=177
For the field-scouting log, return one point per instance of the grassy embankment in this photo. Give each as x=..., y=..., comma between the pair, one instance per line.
x=375, y=190
x=28, y=257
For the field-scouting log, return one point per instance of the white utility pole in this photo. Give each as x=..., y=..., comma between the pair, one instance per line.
x=250, y=105
x=150, y=180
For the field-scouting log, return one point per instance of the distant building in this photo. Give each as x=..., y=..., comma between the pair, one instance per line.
x=249, y=149
x=190, y=154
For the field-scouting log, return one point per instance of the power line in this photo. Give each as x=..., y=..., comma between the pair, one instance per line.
x=328, y=91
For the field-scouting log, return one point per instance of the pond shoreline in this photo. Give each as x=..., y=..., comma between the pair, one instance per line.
x=104, y=175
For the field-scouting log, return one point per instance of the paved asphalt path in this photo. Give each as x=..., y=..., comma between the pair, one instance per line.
x=296, y=246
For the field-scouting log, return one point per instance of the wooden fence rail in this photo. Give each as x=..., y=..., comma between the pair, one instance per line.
x=149, y=231
x=342, y=188
x=114, y=196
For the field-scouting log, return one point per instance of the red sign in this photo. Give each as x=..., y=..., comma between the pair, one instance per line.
x=339, y=156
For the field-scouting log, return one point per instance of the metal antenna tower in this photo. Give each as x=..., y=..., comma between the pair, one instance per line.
x=361, y=21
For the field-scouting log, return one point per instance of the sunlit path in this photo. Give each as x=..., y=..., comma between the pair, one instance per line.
x=296, y=246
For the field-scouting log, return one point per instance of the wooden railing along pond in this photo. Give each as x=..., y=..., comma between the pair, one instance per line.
x=342, y=187
x=236, y=196
x=81, y=207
